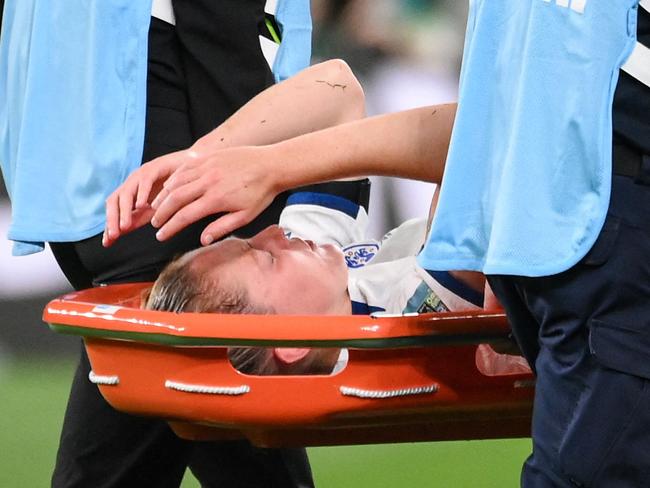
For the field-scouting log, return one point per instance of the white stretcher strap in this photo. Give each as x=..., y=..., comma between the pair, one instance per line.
x=103, y=379
x=163, y=10
x=381, y=394
x=638, y=64
x=207, y=389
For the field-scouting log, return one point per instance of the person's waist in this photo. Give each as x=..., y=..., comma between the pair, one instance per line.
x=628, y=161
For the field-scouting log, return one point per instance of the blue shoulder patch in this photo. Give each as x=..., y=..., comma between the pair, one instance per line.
x=359, y=255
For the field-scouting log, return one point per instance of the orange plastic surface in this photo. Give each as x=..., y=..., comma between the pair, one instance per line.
x=146, y=350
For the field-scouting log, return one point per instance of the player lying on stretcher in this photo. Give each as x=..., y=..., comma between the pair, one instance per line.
x=318, y=261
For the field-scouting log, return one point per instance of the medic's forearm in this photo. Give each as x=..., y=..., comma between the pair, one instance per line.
x=320, y=96
x=410, y=144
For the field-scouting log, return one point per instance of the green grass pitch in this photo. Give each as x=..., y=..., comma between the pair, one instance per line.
x=32, y=401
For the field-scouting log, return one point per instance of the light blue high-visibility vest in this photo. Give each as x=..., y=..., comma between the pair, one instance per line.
x=528, y=175
x=72, y=104
x=72, y=107
x=294, y=19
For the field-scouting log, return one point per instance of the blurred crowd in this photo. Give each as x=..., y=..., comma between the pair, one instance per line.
x=406, y=54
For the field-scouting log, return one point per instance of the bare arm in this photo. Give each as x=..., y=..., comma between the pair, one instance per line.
x=243, y=181
x=410, y=144
x=323, y=95
x=320, y=96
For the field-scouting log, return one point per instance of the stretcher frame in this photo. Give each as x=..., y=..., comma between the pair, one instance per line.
x=408, y=378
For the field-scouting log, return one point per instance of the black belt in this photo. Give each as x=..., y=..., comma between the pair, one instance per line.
x=629, y=162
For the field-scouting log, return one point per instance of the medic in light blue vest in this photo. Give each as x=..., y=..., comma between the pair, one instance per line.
x=72, y=107
x=528, y=175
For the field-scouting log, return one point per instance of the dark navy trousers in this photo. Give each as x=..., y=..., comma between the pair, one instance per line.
x=586, y=332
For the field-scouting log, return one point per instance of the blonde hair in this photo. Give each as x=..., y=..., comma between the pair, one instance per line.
x=261, y=361
x=181, y=288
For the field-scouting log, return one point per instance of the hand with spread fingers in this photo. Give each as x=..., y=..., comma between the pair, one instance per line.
x=129, y=207
x=233, y=181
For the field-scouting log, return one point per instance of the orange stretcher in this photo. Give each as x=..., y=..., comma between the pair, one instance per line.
x=408, y=378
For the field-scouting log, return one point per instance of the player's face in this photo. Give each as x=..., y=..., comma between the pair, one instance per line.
x=292, y=276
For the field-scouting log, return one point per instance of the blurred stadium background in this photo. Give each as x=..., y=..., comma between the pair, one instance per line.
x=406, y=54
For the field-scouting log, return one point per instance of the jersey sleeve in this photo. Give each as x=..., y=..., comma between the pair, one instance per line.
x=324, y=219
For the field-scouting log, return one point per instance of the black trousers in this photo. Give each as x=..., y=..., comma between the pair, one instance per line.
x=586, y=332
x=99, y=446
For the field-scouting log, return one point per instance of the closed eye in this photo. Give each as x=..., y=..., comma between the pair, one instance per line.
x=267, y=258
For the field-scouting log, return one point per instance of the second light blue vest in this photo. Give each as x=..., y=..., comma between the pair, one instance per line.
x=72, y=107
x=528, y=175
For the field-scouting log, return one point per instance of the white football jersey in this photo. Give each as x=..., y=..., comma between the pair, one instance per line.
x=384, y=275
